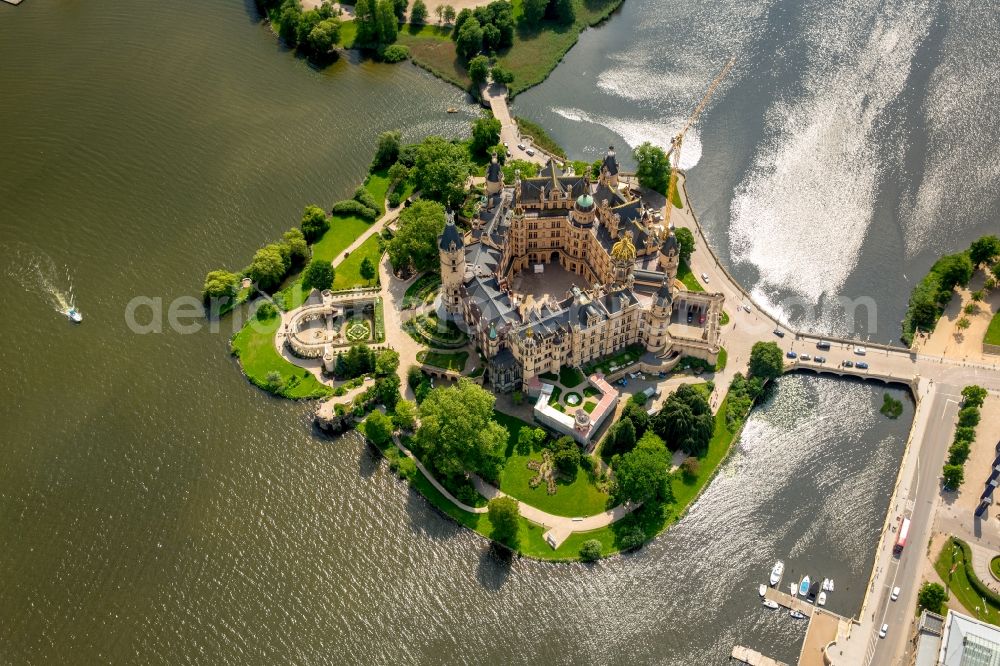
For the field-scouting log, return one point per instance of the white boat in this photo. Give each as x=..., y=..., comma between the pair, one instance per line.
x=776, y=572
x=821, y=599
x=74, y=315
x=763, y=589
x=770, y=603
x=804, y=586
x=797, y=615
x=831, y=586
x=794, y=587
x=826, y=584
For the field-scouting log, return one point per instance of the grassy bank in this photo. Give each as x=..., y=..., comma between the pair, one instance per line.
x=963, y=584
x=992, y=336
x=539, y=136
x=254, y=346
x=444, y=360
x=348, y=273
x=685, y=275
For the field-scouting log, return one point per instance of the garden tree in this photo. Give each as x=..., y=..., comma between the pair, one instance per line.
x=399, y=9
x=405, y=416
x=288, y=21
x=766, y=360
x=367, y=270
x=561, y=11
x=268, y=267
x=978, y=295
x=532, y=11
x=984, y=250
x=566, y=455
x=527, y=169
x=965, y=434
x=470, y=38
x=378, y=428
x=314, y=223
x=422, y=390
x=386, y=362
x=219, y=285
x=485, y=130
x=458, y=434
x=959, y=452
x=690, y=467
x=625, y=436
x=388, y=26
x=324, y=36
x=590, y=550
x=449, y=14
x=505, y=518
x=931, y=596
x=971, y=308
x=643, y=474
x=685, y=421
x=419, y=12
x=273, y=380
x=653, y=168
x=963, y=323
x=630, y=538
x=501, y=74
x=953, y=476
x=968, y=417
x=415, y=242
x=364, y=19
x=414, y=375
x=265, y=311
x=639, y=417
x=685, y=240
x=955, y=270
x=438, y=11
x=479, y=69
x=358, y=360
x=491, y=38
x=528, y=439
x=398, y=173
x=463, y=16
x=319, y=275
x=973, y=396
x=298, y=249
x=441, y=168
x=386, y=390
x=387, y=150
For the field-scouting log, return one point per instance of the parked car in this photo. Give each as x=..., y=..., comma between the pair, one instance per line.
x=746, y=308
x=520, y=146
x=704, y=278
x=848, y=364
x=701, y=319
x=883, y=631
x=820, y=359
x=780, y=333
x=860, y=351
x=861, y=365
x=895, y=594
x=822, y=344
x=690, y=317
x=805, y=357
x=531, y=153
x=791, y=354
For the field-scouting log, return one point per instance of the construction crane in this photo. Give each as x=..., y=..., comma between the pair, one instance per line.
x=675, y=143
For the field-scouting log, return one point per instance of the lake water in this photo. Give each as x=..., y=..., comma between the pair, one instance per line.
x=156, y=508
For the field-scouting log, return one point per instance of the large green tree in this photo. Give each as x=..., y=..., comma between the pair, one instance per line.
x=367, y=270
x=457, y=433
x=440, y=169
x=505, y=519
x=366, y=25
x=485, y=132
x=470, y=38
x=324, y=36
x=984, y=250
x=268, y=267
x=479, y=70
x=415, y=242
x=685, y=239
x=419, y=12
x=766, y=360
x=378, y=428
x=314, y=223
x=532, y=11
x=685, y=421
x=298, y=248
x=319, y=275
x=973, y=396
x=388, y=25
x=931, y=596
x=653, y=168
x=219, y=285
x=387, y=149
x=643, y=474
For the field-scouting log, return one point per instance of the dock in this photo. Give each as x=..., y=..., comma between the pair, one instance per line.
x=786, y=600
x=753, y=658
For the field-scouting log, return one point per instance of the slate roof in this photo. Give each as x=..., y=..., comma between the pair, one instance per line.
x=451, y=235
x=611, y=161
x=493, y=172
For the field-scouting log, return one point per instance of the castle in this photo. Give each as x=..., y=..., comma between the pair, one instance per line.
x=617, y=262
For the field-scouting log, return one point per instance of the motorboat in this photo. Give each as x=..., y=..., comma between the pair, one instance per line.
x=770, y=603
x=797, y=615
x=74, y=315
x=776, y=572
x=813, y=591
x=826, y=584
x=793, y=588
x=831, y=586
x=763, y=589
x=804, y=586
x=821, y=599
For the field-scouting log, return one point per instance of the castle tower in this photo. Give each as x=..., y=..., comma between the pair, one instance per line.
x=451, y=249
x=609, y=168
x=623, y=260
x=584, y=210
x=658, y=316
x=494, y=176
x=670, y=257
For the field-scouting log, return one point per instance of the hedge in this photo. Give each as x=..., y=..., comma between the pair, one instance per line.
x=352, y=207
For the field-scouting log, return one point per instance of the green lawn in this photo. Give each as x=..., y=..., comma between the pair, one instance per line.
x=720, y=363
x=570, y=377
x=348, y=273
x=580, y=497
x=621, y=358
x=995, y=566
x=448, y=361
x=589, y=406
x=254, y=345
x=993, y=332
x=724, y=319
x=685, y=275
x=960, y=587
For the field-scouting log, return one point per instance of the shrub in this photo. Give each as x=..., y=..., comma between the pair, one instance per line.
x=953, y=476
x=395, y=198
x=501, y=74
x=365, y=198
x=931, y=596
x=631, y=538
x=265, y=311
x=395, y=53
x=273, y=380
x=314, y=223
x=351, y=207
x=969, y=417
x=690, y=467
x=958, y=453
x=590, y=550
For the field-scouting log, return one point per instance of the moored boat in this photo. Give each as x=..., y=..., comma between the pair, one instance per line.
x=813, y=591
x=826, y=584
x=831, y=586
x=797, y=615
x=770, y=603
x=821, y=599
x=804, y=586
x=762, y=590
x=776, y=571
x=793, y=588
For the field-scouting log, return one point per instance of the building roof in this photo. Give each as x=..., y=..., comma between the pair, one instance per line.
x=624, y=249
x=494, y=172
x=611, y=161
x=451, y=235
x=969, y=642
x=585, y=202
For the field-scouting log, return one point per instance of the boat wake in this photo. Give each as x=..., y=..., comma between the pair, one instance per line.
x=37, y=273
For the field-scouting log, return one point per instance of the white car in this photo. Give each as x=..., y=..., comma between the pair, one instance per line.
x=704, y=277
x=883, y=631
x=894, y=594
x=746, y=308
x=530, y=152
x=860, y=351
x=520, y=146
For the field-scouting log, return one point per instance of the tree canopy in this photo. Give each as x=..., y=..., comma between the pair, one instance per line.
x=387, y=150
x=984, y=250
x=378, y=428
x=440, y=169
x=457, y=433
x=479, y=69
x=485, y=132
x=367, y=270
x=314, y=223
x=685, y=421
x=405, y=416
x=505, y=517
x=319, y=275
x=268, y=267
x=685, y=239
x=220, y=284
x=973, y=396
x=931, y=596
x=653, y=168
x=415, y=242
x=501, y=74
x=766, y=360
x=419, y=12
x=643, y=474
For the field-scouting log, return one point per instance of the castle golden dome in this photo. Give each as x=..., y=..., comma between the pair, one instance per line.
x=624, y=249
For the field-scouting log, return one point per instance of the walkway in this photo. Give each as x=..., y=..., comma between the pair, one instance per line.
x=434, y=482
x=495, y=95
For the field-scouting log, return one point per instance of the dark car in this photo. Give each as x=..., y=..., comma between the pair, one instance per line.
x=848, y=364
x=861, y=365
x=820, y=359
x=690, y=317
x=780, y=333
x=791, y=354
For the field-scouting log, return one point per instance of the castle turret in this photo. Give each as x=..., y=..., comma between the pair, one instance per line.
x=584, y=210
x=494, y=176
x=670, y=256
x=451, y=249
x=609, y=168
x=658, y=317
